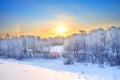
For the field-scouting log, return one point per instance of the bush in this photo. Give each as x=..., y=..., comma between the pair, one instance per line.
x=54, y=55
x=68, y=61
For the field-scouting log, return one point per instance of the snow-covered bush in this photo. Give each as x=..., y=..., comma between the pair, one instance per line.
x=68, y=61
x=68, y=58
x=54, y=55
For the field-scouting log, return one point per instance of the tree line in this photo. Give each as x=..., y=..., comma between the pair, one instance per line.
x=98, y=46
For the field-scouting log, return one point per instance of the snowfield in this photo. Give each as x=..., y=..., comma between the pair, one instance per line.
x=17, y=71
x=46, y=69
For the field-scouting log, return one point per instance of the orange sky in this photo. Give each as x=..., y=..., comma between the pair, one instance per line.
x=41, y=17
x=51, y=31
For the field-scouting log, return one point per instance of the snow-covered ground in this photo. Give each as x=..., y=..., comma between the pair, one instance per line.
x=46, y=69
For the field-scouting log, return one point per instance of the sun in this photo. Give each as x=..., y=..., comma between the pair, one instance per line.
x=60, y=29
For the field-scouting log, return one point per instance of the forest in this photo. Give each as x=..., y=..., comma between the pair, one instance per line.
x=101, y=46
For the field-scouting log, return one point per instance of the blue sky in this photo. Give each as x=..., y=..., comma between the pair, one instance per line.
x=37, y=14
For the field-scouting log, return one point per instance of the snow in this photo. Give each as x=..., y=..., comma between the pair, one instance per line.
x=58, y=49
x=46, y=69
x=17, y=71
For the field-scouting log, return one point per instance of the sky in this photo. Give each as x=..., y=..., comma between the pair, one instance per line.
x=41, y=17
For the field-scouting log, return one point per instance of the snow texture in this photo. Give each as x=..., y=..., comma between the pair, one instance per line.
x=41, y=69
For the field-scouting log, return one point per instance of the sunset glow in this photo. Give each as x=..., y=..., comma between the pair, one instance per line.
x=46, y=18
x=60, y=29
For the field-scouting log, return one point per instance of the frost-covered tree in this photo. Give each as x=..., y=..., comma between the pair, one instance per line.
x=75, y=46
x=113, y=47
x=99, y=46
